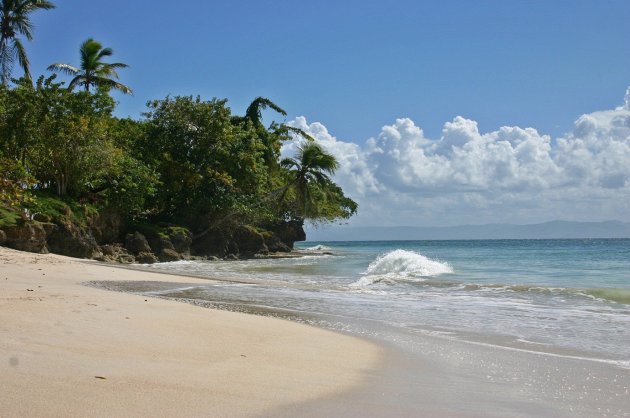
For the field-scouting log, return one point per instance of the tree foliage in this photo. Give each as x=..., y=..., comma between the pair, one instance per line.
x=93, y=71
x=15, y=20
x=62, y=138
x=188, y=161
x=309, y=192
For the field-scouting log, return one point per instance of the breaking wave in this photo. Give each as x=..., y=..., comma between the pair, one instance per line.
x=402, y=265
x=317, y=248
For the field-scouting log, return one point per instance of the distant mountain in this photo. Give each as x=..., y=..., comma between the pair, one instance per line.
x=546, y=230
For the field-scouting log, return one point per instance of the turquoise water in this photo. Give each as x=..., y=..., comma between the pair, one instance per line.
x=566, y=297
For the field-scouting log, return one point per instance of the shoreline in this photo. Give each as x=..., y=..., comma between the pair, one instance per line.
x=436, y=376
x=491, y=342
x=69, y=350
x=444, y=376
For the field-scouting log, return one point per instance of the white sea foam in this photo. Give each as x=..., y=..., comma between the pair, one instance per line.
x=402, y=265
x=319, y=247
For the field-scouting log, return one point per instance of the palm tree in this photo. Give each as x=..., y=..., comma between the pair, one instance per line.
x=310, y=169
x=254, y=110
x=14, y=21
x=93, y=72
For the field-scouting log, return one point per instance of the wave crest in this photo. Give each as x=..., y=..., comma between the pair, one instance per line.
x=319, y=247
x=402, y=265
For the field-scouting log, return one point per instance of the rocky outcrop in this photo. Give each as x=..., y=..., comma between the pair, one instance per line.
x=169, y=243
x=233, y=242
x=290, y=232
x=148, y=243
x=214, y=242
x=146, y=258
x=73, y=241
x=249, y=241
x=167, y=255
x=274, y=244
x=107, y=226
x=29, y=237
x=181, y=239
x=115, y=253
x=137, y=243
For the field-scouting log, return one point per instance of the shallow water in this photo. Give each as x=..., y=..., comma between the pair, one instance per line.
x=561, y=297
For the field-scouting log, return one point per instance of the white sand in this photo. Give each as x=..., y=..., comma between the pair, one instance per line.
x=155, y=357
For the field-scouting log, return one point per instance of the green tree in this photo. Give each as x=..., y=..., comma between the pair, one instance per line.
x=269, y=137
x=93, y=72
x=208, y=166
x=15, y=183
x=70, y=146
x=310, y=193
x=14, y=21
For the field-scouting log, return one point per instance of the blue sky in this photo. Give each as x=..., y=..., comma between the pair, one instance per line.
x=411, y=96
x=358, y=65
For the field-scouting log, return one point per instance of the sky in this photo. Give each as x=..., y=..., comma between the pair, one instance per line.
x=440, y=112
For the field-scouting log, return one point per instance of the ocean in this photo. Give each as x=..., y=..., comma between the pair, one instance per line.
x=568, y=298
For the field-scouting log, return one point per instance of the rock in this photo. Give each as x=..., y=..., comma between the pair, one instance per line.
x=215, y=242
x=274, y=244
x=108, y=250
x=169, y=255
x=29, y=237
x=115, y=253
x=181, y=239
x=158, y=242
x=249, y=241
x=73, y=241
x=290, y=232
x=40, y=217
x=125, y=259
x=165, y=241
x=107, y=226
x=136, y=243
x=146, y=258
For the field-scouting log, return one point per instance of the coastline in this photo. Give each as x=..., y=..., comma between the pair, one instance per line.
x=72, y=350
x=157, y=362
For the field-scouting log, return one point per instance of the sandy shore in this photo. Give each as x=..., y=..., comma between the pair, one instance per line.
x=71, y=350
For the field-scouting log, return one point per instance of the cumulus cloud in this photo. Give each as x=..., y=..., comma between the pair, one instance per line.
x=513, y=174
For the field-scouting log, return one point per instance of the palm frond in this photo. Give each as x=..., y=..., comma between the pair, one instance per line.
x=118, y=65
x=289, y=163
x=63, y=68
x=93, y=72
x=15, y=20
x=78, y=80
x=299, y=132
x=105, y=52
x=254, y=110
x=22, y=25
x=109, y=83
x=22, y=58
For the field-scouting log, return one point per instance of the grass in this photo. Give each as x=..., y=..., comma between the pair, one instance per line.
x=9, y=218
x=162, y=231
x=59, y=209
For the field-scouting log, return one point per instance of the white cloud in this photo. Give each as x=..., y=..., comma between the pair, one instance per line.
x=514, y=174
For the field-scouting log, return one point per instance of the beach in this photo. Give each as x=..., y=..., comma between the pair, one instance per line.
x=71, y=350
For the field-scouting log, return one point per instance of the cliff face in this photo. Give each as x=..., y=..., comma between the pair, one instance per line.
x=106, y=237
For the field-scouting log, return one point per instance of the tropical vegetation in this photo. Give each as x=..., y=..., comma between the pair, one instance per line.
x=93, y=71
x=15, y=20
x=65, y=156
